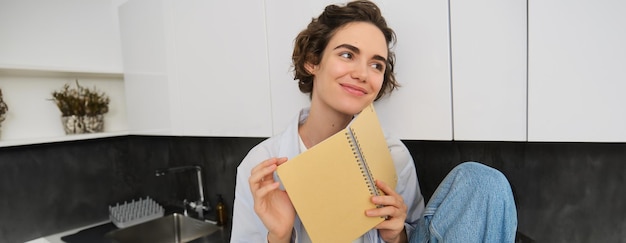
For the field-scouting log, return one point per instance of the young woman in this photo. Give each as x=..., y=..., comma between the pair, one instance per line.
x=344, y=61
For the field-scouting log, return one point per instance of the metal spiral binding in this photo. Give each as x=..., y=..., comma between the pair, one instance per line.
x=360, y=159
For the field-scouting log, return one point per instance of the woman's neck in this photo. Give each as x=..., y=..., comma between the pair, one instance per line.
x=321, y=124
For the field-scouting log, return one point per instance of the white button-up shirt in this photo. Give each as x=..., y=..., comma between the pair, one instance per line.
x=248, y=227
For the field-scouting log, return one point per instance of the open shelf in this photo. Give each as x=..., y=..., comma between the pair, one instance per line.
x=74, y=137
x=31, y=117
x=24, y=70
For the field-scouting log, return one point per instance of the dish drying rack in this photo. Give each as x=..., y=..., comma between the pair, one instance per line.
x=135, y=212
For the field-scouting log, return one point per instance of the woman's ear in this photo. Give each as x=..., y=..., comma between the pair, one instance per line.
x=310, y=68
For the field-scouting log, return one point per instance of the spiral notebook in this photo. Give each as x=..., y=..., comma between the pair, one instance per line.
x=331, y=184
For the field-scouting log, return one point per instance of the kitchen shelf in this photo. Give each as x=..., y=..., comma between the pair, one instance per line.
x=74, y=137
x=33, y=79
x=50, y=71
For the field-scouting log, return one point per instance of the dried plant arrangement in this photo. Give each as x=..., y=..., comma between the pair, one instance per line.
x=81, y=101
x=82, y=108
x=4, y=108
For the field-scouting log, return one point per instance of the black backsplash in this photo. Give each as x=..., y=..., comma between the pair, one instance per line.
x=565, y=192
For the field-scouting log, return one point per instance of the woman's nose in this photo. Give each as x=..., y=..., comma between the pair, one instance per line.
x=360, y=72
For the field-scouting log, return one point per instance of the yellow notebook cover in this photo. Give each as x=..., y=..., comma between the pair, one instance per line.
x=330, y=185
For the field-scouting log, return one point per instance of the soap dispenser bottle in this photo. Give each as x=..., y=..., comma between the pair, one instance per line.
x=221, y=211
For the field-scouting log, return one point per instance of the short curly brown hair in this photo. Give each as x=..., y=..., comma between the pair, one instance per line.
x=311, y=42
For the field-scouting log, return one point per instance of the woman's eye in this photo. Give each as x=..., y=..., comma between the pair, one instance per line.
x=378, y=66
x=346, y=55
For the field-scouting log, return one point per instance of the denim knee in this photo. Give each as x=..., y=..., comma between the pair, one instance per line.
x=481, y=174
x=474, y=203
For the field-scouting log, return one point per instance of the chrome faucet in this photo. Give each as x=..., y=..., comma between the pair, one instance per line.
x=198, y=206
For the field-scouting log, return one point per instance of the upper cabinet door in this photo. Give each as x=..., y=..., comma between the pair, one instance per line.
x=488, y=45
x=421, y=108
x=146, y=78
x=576, y=71
x=220, y=68
x=77, y=36
x=196, y=68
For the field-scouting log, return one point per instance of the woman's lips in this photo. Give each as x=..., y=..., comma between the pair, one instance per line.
x=355, y=90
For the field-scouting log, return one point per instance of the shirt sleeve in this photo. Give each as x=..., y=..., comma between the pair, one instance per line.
x=247, y=226
x=408, y=185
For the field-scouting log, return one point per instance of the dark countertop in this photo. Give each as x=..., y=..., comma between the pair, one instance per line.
x=96, y=234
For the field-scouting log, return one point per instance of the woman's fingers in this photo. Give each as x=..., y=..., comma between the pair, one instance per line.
x=385, y=188
x=265, y=190
x=281, y=160
x=392, y=203
x=262, y=174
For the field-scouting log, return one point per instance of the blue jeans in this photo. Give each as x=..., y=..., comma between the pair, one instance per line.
x=474, y=203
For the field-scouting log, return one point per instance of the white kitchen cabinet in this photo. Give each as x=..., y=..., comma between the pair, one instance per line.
x=488, y=45
x=576, y=71
x=420, y=109
x=196, y=68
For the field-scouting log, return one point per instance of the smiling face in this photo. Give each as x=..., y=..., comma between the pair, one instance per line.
x=351, y=71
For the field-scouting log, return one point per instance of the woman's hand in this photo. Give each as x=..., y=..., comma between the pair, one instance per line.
x=271, y=204
x=394, y=208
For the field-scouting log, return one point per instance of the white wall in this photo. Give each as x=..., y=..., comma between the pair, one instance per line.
x=60, y=35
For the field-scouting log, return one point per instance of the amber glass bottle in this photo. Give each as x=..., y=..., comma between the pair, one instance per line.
x=221, y=211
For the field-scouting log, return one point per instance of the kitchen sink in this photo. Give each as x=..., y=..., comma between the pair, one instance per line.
x=174, y=228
